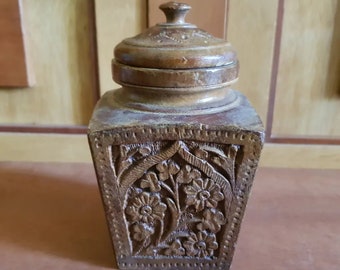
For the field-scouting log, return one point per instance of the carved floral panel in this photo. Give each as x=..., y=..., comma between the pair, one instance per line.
x=176, y=195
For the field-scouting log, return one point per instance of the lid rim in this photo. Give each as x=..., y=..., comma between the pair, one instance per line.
x=199, y=78
x=183, y=58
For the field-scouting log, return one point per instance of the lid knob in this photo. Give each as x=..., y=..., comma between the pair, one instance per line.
x=175, y=12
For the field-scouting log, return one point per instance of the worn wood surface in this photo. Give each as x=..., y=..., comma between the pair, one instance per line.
x=14, y=68
x=210, y=15
x=52, y=218
x=307, y=100
x=60, y=50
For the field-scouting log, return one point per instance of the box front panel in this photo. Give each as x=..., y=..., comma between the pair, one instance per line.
x=174, y=197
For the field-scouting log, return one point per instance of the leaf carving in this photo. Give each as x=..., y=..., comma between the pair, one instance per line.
x=128, y=177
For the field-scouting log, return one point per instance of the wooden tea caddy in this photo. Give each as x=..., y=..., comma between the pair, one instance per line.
x=175, y=148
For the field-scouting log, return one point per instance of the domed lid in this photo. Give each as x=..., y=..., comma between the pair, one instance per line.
x=199, y=58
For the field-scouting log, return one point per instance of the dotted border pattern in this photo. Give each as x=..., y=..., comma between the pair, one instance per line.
x=174, y=265
x=108, y=188
x=107, y=138
x=247, y=177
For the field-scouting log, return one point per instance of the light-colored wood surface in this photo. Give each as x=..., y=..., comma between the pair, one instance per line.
x=14, y=69
x=301, y=156
x=307, y=100
x=58, y=33
x=52, y=218
x=58, y=43
x=44, y=148
x=207, y=15
x=251, y=31
x=115, y=20
x=74, y=148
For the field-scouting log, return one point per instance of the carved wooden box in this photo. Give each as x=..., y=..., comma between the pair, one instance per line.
x=175, y=153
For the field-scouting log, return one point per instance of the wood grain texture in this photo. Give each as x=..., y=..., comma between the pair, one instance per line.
x=207, y=15
x=251, y=31
x=307, y=102
x=74, y=148
x=115, y=20
x=59, y=44
x=14, y=68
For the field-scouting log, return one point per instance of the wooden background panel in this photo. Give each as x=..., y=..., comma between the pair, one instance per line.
x=251, y=31
x=14, y=69
x=115, y=21
x=31, y=147
x=58, y=37
x=307, y=102
x=56, y=148
x=333, y=79
x=207, y=15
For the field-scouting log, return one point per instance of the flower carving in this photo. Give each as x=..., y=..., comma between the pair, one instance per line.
x=174, y=199
x=151, y=181
x=175, y=249
x=201, y=244
x=146, y=208
x=141, y=231
x=166, y=169
x=212, y=220
x=203, y=194
x=187, y=174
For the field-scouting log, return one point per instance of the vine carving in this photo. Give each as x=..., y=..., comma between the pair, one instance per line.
x=176, y=195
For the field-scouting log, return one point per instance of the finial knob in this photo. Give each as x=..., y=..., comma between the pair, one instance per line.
x=175, y=12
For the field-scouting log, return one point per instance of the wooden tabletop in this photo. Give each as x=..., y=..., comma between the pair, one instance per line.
x=51, y=217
